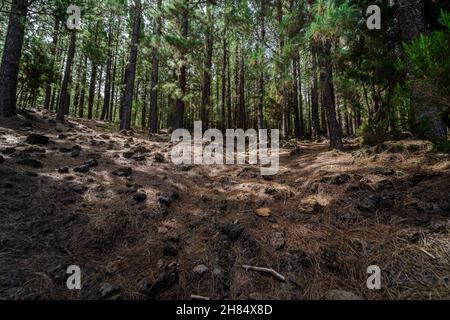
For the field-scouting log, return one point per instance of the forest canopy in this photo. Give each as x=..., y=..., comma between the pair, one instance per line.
x=310, y=68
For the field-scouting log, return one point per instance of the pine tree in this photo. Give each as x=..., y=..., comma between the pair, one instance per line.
x=9, y=68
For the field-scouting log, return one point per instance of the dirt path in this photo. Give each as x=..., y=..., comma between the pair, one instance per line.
x=140, y=227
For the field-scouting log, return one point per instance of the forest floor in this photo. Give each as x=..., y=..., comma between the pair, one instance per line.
x=140, y=227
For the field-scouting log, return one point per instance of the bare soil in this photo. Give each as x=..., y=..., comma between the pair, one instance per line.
x=169, y=232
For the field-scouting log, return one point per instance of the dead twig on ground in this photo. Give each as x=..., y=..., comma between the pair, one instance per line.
x=266, y=270
x=197, y=297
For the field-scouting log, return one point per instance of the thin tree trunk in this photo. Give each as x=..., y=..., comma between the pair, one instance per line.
x=224, y=82
x=298, y=125
x=76, y=100
x=60, y=57
x=48, y=88
x=83, y=89
x=155, y=74
x=315, y=128
x=328, y=100
x=125, y=121
x=283, y=85
x=64, y=95
x=144, y=105
x=111, y=116
x=99, y=90
x=107, y=90
x=229, y=112
x=236, y=87
x=92, y=90
x=260, y=81
x=178, y=114
x=300, y=97
x=124, y=80
x=242, y=107
x=209, y=46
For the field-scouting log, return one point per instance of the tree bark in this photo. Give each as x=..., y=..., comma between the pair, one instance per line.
x=144, y=105
x=300, y=98
x=107, y=90
x=76, y=100
x=153, y=123
x=328, y=100
x=315, y=128
x=223, y=119
x=12, y=52
x=92, y=90
x=236, y=87
x=64, y=95
x=242, y=111
x=83, y=89
x=209, y=46
x=229, y=100
x=111, y=114
x=298, y=125
x=99, y=91
x=178, y=114
x=285, y=121
x=125, y=121
x=261, y=44
x=48, y=88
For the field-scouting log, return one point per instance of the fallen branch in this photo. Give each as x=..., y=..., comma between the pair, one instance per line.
x=266, y=270
x=196, y=297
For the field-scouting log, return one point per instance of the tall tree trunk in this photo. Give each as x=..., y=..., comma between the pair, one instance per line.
x=315, y=128
x=242, y=108
x=111, y=114
x=134, y=115
x=300, y=97
x=59, y=59
x=260, y=81
x=217, y=100
x=124, y=74
x=48, y=88
x=428, y=122
x=12, y=51
x=223, y=119
x=92, y=90
x=308, y=130
x=125, y=121
x=64, y=95
x=298, y=125
x=236, y=87
x=328, y=100
x=178, y=114
x=60, y=76
x=144, y=105
x=99, y=90
x=155, y=73
x=296, y=73
x=283, y=82
x=107, y=90
x=229, y=112
x=206, y=105
x=76, y=100
x=83, y=89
